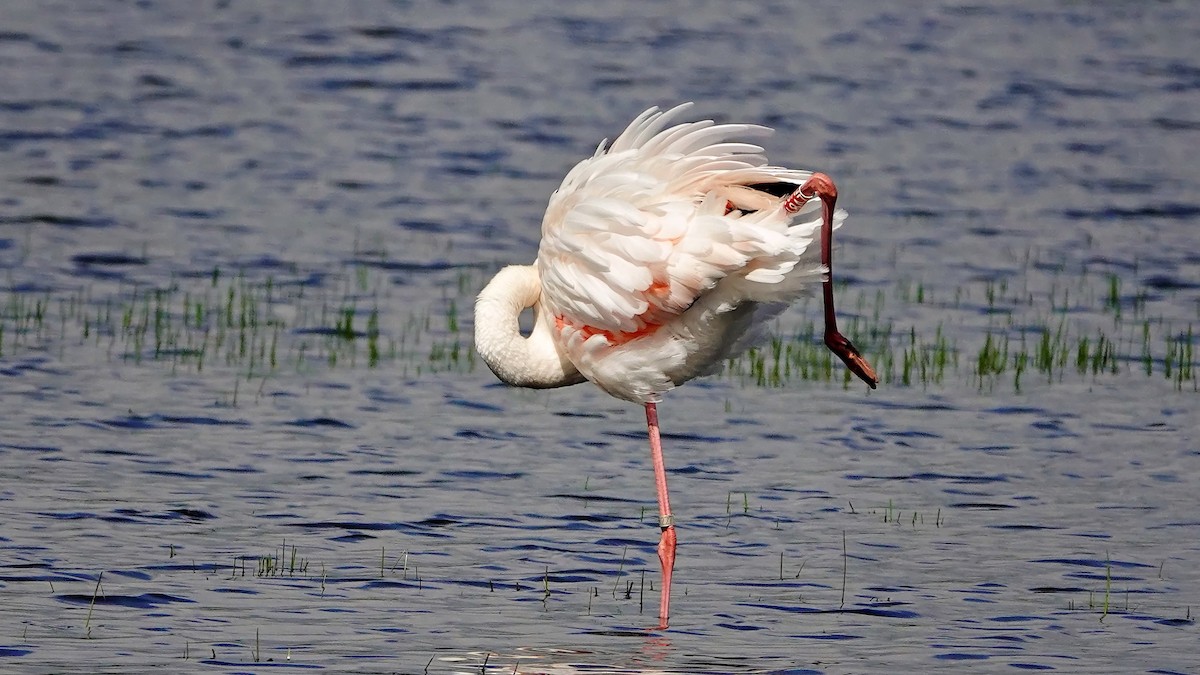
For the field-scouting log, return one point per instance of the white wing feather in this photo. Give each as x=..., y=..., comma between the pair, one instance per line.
x=639, y=236
x=648, y=212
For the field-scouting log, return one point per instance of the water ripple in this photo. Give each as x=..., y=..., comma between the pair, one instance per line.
x=882, y=610
x=143, y=601
x=313, y=422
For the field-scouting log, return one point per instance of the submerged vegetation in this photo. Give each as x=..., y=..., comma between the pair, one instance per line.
x=255, y=326
x=990, y=333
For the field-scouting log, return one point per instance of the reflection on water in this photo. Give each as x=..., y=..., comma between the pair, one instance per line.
x=244, y=426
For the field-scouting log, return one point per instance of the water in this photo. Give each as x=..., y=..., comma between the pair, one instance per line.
x=285, y=505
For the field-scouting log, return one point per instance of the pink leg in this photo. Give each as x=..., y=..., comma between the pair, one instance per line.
x=821, y=185
x=666, y=544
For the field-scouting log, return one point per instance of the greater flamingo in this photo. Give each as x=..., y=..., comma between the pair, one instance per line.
x=659, y=256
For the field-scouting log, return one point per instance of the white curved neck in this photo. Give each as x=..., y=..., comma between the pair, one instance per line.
x=533, y=361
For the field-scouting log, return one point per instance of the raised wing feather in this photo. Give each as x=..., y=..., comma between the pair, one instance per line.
x=636, y=233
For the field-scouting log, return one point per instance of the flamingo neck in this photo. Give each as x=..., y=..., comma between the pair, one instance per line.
x=523, y=361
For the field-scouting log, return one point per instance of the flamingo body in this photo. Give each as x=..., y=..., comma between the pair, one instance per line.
x=656, y=258
x=660, y=256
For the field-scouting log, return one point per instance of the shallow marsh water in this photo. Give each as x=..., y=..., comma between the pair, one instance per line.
x=243, y=430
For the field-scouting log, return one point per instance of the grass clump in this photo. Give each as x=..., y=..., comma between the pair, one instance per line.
x=254, y=326
x=1085, y=328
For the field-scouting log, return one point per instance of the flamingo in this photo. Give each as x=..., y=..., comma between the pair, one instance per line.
x=660, y=256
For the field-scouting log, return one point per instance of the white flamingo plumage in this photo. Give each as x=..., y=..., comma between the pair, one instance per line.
x=659, y=257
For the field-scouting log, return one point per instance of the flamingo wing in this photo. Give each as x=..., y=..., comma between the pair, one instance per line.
x=643, y=228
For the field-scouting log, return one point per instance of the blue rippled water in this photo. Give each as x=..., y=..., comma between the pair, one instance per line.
x=337, y=174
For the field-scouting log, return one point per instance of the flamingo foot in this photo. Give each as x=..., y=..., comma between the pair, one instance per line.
x=845, y=350
x=666, y=558
x=822, y=186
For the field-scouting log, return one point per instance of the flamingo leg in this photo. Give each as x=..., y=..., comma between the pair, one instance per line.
x=666, y=543
x=821, y=185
